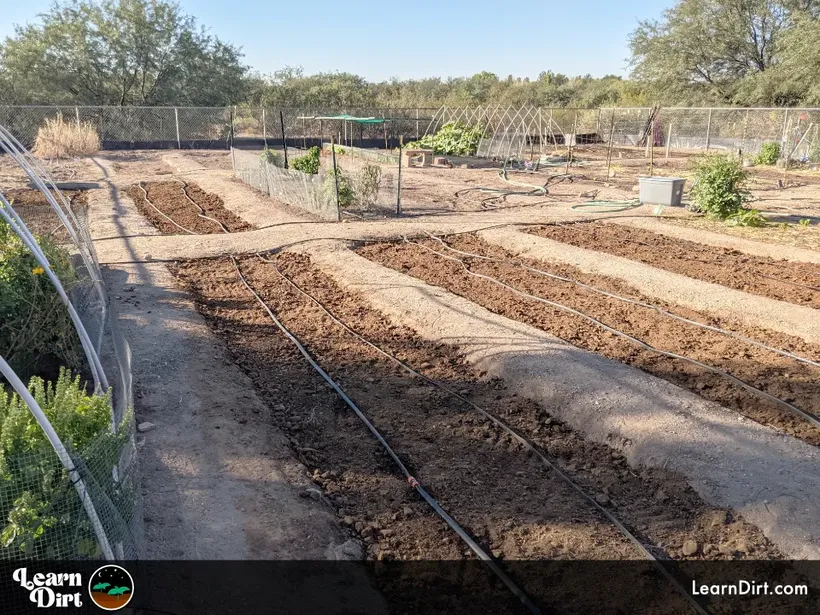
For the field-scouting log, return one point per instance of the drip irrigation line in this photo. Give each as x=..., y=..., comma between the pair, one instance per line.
x=499, y=423
x=168, y=218
x=660, y=310
x=748, y=387
x=199, y=207
x=480, y=553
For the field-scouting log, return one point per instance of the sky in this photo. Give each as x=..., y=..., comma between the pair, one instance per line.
x=420, y=38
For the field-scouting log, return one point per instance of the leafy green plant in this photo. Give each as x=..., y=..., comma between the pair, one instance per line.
x=271, y=156
x=347, y=193
x=746, y=217
x=34, y=323
x=814, y=150
x=805, y=222
x=769, y=153
x=719, y=185
x=37, y=506
x=309, y=163
x=368, y=181
x=453, y=139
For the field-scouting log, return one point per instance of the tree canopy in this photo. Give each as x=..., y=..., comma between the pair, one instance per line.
x=119, y=52
x=726, y=51
x=149, y=52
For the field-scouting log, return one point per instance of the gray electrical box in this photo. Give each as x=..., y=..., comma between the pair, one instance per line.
x=661, y=190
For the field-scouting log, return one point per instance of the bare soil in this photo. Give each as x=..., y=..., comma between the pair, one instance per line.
x=797, y=283
x=782, y=377
x=169, y=198
x=217, y=160
x=507, y=500
x=38, y=214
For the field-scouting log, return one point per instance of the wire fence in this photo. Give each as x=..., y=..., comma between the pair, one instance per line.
x=364, y=183
x=69, y=479
x=521, y=131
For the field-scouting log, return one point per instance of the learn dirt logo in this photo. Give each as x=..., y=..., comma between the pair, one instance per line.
x=111, y=587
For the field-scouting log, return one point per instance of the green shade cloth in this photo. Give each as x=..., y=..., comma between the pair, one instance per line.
x=349, y=118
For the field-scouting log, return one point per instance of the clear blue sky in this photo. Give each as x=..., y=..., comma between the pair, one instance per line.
x=420, y=38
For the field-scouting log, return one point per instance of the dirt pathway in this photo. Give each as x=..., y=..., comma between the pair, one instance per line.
x=730, y=461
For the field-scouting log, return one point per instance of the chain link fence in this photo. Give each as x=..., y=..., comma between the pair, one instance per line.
x=508, y=131
x=69, y=479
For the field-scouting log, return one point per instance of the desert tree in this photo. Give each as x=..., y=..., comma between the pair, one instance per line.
x=119, y=52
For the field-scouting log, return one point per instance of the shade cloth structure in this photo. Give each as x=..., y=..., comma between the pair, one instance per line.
x=347, y=118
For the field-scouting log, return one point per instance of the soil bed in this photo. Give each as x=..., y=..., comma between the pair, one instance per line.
x=783, y=280
x=39, y=216
x=515, y=508
x=781, y=377
x=170, y=199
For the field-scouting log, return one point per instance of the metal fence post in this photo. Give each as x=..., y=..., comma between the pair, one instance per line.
x=77, y=113
x=285, y=139
x=176, y=121
x=398, y=187
x=417, y=124
x=709, y=130
x=264, y=129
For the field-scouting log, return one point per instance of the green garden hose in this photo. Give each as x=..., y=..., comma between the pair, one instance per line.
x=608, y=206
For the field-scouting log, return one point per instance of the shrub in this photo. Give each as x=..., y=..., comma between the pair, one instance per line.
x=368, y=182
x=347, y=193
x=58, y=138
x=271, y=156
x=769, y=153
x=719, y=186
x=309, y=163
x=34, y=323
x=39, y=510
x=454, y=139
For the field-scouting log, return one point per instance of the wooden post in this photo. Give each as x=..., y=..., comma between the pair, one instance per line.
x=284, y=137
x=784, y=137
x=335, y=180
x=709, y=130
x=571, y=141
x=669, y=139
x=609, y=148
x=398, y=187
x=176, y=120
x=652, y=148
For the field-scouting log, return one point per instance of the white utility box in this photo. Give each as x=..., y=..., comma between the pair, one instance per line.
x=661, y=190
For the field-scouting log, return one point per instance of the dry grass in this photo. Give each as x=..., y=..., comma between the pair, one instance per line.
x=59, y=138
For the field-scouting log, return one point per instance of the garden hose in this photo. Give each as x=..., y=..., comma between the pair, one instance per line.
x=608, y=206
